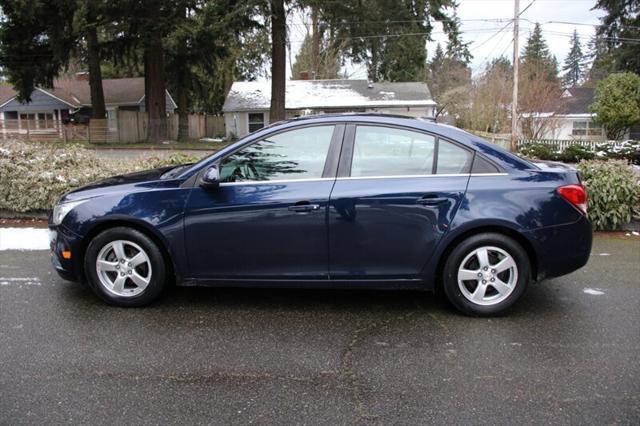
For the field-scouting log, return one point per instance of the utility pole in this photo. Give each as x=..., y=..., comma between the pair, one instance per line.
x=514, y=100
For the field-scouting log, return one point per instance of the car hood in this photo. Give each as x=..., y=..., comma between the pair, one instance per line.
x=120, y=183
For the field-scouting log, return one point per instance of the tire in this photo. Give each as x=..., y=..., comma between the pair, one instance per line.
x=124, y=267
x=486, y=274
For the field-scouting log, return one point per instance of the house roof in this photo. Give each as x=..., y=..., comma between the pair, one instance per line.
x=303, y=94
x=76, y=93
x=6, y=94
x=576, y=100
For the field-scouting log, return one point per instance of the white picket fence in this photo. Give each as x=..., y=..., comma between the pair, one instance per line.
x=562, y=144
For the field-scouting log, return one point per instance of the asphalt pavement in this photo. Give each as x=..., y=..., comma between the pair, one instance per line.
x=568, y=353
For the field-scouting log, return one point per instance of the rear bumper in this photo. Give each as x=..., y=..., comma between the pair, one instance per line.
x=562, y=249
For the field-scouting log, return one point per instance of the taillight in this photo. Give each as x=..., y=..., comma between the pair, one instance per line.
x=576, y=195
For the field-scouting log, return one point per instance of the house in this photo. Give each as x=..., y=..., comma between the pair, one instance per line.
x=572, y=119
x=246, y=107
x=72, y=97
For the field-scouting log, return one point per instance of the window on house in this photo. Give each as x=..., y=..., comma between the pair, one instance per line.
x=256, y=121
x=586, y=128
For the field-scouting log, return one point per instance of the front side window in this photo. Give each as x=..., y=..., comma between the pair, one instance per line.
x=256, y=121
x=386, y=151
x=291, y=155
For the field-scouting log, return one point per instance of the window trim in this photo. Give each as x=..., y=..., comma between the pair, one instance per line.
x=346, y=160
x=330, y=162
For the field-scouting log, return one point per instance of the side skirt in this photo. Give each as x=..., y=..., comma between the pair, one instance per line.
x=396, y=284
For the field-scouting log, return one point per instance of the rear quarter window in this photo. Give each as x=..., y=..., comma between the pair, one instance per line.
x=481, y=165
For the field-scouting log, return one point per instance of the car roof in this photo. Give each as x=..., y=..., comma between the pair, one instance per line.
x=426, y=124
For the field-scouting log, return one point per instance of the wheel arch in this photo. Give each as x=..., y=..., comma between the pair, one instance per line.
x=506, y=230
x=139, y=226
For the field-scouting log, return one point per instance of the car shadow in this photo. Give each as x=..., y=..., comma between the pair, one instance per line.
x=540, y=299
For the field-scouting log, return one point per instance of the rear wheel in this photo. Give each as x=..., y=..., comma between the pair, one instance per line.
x=124, y=267
x=486, y=274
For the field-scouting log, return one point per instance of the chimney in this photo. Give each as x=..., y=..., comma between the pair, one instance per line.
x=303, y=75
x=82, y=76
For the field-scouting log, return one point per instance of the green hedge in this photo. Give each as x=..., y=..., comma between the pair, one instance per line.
x=628, y=150
x=34, y=176
x=613, y=193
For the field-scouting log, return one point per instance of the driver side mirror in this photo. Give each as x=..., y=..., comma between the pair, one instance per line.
x=211, y=178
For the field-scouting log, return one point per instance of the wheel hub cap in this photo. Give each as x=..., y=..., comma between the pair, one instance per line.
x=123, y=268
x=487, y=275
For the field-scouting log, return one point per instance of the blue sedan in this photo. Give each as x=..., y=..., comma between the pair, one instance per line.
x=340, y=201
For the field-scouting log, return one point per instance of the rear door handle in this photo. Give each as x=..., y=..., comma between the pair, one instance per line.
x=304, y=206
x=431, y=201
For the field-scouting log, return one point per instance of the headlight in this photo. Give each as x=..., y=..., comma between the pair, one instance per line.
x=61, y=210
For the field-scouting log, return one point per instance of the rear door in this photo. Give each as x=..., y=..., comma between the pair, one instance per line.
x=396, y=193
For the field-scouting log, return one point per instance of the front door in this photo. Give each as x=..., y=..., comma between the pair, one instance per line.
x=396, y=199
x=267, y=219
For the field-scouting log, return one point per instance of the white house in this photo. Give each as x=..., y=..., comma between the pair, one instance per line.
x=246, y=107
x=572, y=120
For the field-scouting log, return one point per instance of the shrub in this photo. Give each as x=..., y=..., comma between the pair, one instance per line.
x=575, y=153
x=175, y=160
x=539, y=151
x=627, y=150
x=613, y=192
x=34, y=176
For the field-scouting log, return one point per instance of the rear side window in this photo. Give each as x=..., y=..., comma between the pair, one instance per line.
x=453, y=159
x=386, y=151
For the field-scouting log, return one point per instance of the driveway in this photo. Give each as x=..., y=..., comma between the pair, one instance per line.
x=568, y=353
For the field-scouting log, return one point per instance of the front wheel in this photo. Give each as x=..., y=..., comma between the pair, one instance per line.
x=486, y=274
x=124, y=267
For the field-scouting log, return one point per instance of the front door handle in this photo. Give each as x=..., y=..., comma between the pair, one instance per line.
x=304, y=206
x=431, y=201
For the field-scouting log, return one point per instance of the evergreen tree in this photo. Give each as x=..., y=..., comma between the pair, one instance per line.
x=574, y=63
x=601, y=62
x=38, y=40
x=536, y=59
x=617, y=32
x=326, y=63
x=390, y=36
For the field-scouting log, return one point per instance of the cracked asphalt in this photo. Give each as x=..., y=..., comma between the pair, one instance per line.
x=568, y=353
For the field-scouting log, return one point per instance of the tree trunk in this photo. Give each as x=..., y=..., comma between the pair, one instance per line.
x=98, y=109
x=183, y=114
x=155, y=84
x=278, y=61
x=315, y=44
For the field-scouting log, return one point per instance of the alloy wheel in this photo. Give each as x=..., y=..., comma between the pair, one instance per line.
x=123, y=268
x=487, y=275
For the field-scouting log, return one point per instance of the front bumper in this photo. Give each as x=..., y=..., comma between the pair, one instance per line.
x=562, y=249
x=60, y=240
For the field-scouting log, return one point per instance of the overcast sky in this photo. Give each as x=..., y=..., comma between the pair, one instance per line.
x=480, y=28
